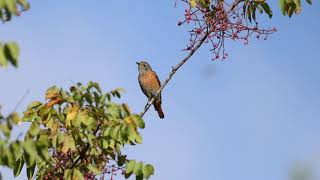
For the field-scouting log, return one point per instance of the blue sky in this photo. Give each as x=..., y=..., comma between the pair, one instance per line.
x=251, y=117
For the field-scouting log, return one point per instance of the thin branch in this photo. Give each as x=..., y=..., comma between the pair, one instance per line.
x=174, y=70
x=234, y=5
x=21, y=100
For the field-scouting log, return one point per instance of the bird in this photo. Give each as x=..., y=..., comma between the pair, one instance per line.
x=150, y=84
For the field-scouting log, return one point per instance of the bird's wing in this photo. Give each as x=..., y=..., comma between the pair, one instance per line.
x=158, y=83
x=157, y=78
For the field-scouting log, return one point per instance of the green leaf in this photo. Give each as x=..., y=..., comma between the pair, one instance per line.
x=91, y=138
x=93, y=169
x=49, y=123
x=140, y=177
x=106, y=132
x=193, y=3
x=11, y=6
x=3, y=59
x=260, y=9
x=30, y=171
x=95, y=85
x=88, y=98
x=205, y=3
x=115, y=132
x=14, y=118
x=15, y=148
x=105, y=144
x=290, y=9
x=121, y=160
x=138, y=139
x=24, y=4
x=298, y=3
x=11, y=51
x=117, y=92
x=77, y=175
x=138, y=168
x=43, y=153
x=123, y=131
x=29, y=153
x=249, y=13
x=138, y=121
x=67, y=174
x=112, y=143
x=103, y=98
x=57, y=139
x=6, y=129
x=130, y=166
x=2, y=4
x=53, y=92
x=9, y=158
x=267, y=9
x=147, y=171
x=34, y=128
x=18, y=166
x=68, y=143
x=126, y=109
x=42, y=145
x=309, y=2
x=282, y=4
x=34, y=104
x=253, y=12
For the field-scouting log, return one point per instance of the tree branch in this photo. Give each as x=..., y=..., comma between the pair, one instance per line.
x=174, y=70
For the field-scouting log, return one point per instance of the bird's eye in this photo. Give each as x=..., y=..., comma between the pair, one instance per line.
x=144, y=65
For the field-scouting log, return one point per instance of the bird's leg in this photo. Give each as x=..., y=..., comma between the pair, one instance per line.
x=149, y=101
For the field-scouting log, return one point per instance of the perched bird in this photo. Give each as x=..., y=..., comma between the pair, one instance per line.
x=150, y=84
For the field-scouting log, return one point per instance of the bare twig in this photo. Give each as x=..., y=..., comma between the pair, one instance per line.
x=234, y=5
x=174, y=70
x=20, y=100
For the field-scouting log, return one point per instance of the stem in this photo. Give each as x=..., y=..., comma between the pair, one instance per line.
x=174, y=70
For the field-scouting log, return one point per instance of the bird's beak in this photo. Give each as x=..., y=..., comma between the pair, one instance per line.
x=137, y=63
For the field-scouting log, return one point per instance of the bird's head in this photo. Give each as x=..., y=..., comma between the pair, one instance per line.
x=143, y=67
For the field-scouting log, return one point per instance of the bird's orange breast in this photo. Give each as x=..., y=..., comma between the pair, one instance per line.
x=149, y=81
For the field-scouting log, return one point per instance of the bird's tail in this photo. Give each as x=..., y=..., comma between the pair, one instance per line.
x=157, y=107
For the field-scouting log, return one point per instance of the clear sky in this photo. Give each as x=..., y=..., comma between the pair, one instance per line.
x=251, y=117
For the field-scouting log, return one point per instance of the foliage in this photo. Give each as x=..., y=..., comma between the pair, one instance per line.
x=76, y=134
x=80, y=133
x=8, y=8
x=288, y=7
x=236, y=20
x=9, y=52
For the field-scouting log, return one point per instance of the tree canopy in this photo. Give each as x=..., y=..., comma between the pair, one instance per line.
x=80, y=133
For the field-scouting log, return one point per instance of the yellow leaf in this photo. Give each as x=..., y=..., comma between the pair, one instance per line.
x=52, y=93
x=193, y=3
x=65, y=148
x=68, y=143
x=129, y=120
x=54, y=128
x=72, y=114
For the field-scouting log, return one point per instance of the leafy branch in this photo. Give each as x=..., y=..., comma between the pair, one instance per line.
x=212, y=23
